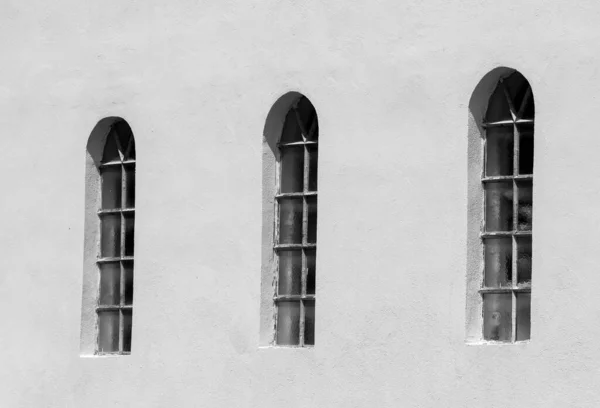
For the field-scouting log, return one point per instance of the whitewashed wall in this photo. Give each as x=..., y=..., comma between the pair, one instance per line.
x=391, y=82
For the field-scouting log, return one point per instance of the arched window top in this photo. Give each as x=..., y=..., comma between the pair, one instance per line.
x=512, y=100
x=120, y=143
x=301, y=123
x=111, y=140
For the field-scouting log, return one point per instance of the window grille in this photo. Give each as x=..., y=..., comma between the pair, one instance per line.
x=117, y=221
x=296, y=229
x=508, y=202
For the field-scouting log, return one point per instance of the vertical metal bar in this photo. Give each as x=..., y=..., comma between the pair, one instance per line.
x=122, y=253
x=276, y=223
x=517, y=148
x=301, y=340
x=511, y=106
x=482, y=229
x=524, y=102
x=303, y=130
x=515, y=227
x=304, y=237
x=121, y=330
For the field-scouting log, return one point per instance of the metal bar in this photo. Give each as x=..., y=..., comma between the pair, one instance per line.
x=524, y=102
x=301, y=194
x=122, y=253
x=103, y=308
x=115, y=353
x=123, y=198
x=113, y=163
x=115, y=211
x=313, y=127
x=516, y=145
x=524, y=121
x=293, y=297
x=300, y=124
x=499, y=123
x=505, y=290
x=121, y=330
x=491, y=179
x=294, y=246
x=121, y=302
x=511, y=107
x=498, y=234
x=301, y=329
x=114, y=259
x=305, y=142
x=521, y=177
x=507, y=123
x=276, y=226
x=304, y=242
x=505, y=234
x=516, y=149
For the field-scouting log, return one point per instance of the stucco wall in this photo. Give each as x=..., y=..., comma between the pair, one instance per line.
x=391, y=82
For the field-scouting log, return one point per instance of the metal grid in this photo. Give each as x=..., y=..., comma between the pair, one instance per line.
x=307, y=246
x=116, y=249
x=521, y=185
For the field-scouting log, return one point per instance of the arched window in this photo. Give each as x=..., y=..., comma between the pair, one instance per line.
x=507, y=200
x=292, y=246
x=110, y=192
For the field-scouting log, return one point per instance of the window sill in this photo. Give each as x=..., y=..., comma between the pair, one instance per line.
x=278, y=347
x=521, y=343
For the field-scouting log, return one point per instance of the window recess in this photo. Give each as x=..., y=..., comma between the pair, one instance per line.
x=116, y=258
x=507, y=181
x=295, y=243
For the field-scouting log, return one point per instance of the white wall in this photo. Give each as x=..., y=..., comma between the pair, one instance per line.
x=391, y=82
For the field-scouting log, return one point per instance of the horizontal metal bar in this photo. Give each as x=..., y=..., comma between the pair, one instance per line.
x=305, y=142
x=293, y=346
x=101, y=308
x=114, y=163
x=293, y=297
x=300, y=194
x=509, y=122
x=496, y=178
x=520, y=177
x=116, y=211
x=524, y=121
x=294, y=246
x=497, y=234
x=114, y=259
x=116, y=353
x=519, y=289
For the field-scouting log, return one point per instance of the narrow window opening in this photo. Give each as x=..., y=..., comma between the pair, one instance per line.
x=296, y=235
x=116, y=253
x=507, y=185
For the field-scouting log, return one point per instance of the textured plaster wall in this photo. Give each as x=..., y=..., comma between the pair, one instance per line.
x=391, y=82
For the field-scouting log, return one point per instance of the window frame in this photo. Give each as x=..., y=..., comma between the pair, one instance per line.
x=271, y=176
x=308, y=140
x=93, y=259
x=125, y=210
x=476, y=205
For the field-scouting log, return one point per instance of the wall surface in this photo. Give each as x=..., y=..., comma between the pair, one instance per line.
x=391, y=82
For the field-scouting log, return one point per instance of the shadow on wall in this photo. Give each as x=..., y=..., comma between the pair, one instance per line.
x=481, y=94
x=276, y=119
